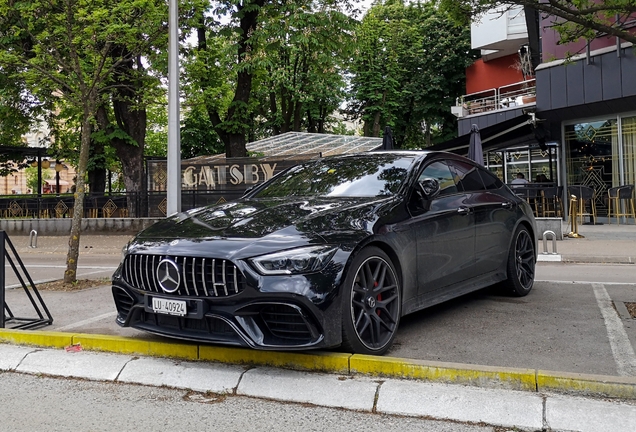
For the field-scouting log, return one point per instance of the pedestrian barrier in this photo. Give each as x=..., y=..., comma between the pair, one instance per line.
x=33, y=239
x=545, y=242
x=574, y=216
x=10, y=256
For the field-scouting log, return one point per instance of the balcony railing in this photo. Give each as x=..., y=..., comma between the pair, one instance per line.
x=508, y=96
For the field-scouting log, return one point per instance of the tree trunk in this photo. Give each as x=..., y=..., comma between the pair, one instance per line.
x=132, y=120
x=297, y=117
x=97, y=175
x=238, y=113
x=70, y=275
x=376, y=124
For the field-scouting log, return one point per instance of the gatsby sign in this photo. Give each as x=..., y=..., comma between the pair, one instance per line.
x=233, y=174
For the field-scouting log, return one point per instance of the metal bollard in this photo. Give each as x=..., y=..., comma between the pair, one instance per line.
x=574, y=204
x=33, y=239
x=545, y=243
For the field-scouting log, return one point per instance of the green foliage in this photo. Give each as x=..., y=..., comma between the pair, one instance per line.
x=18, y=109
x=32, y=177
x=198, y=137
x=267, y=67
x=408, y=69
x=157, y=132
x=302, y=80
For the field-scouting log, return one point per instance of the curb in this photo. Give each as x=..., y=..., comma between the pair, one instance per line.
x=341, y=363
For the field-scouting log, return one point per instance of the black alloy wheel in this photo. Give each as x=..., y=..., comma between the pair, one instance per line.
x=372, y=303
x=521, y=264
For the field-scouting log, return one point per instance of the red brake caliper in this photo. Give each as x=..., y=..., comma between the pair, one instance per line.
x=379, y=297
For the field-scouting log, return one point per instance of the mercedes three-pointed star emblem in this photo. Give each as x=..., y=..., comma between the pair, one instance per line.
x=168, y=275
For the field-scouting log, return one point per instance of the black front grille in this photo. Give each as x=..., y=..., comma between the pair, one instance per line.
x=286, y=322
x=202, y=277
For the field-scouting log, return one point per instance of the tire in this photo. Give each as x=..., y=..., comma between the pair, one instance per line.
x=521, y=264
x=371, y=303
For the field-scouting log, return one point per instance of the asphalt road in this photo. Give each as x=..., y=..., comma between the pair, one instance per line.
x=561, y=325
x=29, y=403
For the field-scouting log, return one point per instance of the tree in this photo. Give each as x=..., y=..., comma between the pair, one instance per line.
x=302, y=80
x=577, y=18
x=19, y=110
x=32, y=178
x=409, y=68
x=63, y=49
x=229, y=56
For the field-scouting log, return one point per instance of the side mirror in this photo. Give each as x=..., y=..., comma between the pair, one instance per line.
x=248, y=190
x=429, y=188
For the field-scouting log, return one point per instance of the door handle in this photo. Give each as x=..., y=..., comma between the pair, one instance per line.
x=463, y=210
x=506, y=204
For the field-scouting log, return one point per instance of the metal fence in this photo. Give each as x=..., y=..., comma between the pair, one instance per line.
x=106, y=205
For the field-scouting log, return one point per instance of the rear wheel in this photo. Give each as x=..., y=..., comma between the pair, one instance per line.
x=521, y=264
x=371, y=303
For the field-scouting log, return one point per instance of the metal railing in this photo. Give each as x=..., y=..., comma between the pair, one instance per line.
x=113, y=205
x=508, y=96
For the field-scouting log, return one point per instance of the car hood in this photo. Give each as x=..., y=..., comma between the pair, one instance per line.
x=256, y=226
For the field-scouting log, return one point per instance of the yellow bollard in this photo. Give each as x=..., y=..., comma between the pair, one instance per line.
x=574, y=218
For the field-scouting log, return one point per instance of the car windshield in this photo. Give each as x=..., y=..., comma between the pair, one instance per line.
x=360, y=176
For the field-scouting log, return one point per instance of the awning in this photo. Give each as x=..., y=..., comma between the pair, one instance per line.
x=53, y=182
x=510, y=133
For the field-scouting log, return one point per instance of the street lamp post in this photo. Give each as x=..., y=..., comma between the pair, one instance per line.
x=174, y=145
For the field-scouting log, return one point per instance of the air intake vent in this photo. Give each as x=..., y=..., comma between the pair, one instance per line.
x=286, y=322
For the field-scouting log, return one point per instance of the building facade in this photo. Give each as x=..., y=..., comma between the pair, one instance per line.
x=574, y=119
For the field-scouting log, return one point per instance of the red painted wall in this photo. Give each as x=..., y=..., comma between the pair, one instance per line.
x=495, y=73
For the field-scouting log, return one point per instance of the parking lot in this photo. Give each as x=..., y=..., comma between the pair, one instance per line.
x=574, y=320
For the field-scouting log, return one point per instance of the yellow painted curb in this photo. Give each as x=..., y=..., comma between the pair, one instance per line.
x=455, y=373
x=316, y=361
x=38, y=338
x=124, y=345
x=597, y=385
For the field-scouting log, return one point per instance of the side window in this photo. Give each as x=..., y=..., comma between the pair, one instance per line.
x=442, y=173
x=490, y=180
x=468, y=178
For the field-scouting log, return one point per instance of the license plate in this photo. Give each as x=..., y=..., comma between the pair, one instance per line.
x=168, y=306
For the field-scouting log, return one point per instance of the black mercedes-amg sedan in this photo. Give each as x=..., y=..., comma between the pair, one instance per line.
x=329, y=253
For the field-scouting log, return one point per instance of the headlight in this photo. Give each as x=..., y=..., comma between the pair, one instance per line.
x=294, y=261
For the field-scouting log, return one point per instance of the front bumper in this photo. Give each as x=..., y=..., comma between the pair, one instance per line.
x=275, y=312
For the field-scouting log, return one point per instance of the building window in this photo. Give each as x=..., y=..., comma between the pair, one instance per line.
x=590, y=149
x=628, y=135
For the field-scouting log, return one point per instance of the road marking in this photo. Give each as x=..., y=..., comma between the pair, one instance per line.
x=28, y=266
x=570, y=282
x=86, y=321
x=621, y=347
x=41, y=281
x=93, y=272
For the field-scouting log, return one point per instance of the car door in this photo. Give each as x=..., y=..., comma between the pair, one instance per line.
x=494, y=215
x=444, y=231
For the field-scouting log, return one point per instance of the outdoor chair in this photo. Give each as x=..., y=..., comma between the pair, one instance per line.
x=584, y=195
x=621, y=195
x=552, y=205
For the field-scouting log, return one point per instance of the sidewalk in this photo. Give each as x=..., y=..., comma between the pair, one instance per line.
x=612, y=244
x=486, y=406
x=607, y=243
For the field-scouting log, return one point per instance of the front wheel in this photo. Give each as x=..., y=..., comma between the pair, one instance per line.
x=371, y=302
x=521, y=264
